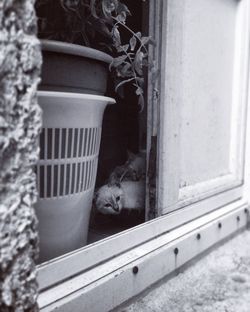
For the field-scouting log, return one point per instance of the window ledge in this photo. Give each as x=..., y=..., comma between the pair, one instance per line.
x=118, y=279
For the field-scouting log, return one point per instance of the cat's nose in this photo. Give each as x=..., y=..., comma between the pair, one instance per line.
x=116, y=208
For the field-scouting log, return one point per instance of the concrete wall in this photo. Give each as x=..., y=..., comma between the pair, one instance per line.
x=20, y=121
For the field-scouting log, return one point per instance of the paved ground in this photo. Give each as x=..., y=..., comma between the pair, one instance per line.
x=219, y=282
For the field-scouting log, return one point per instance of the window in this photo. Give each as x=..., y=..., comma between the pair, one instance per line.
x=196, y=125
x=73, y=129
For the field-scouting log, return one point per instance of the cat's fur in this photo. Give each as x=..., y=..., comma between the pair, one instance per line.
x=125, y=188
x=134, y=169
x=112, y=198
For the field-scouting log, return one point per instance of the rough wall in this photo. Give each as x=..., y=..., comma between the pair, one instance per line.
x=19, y=125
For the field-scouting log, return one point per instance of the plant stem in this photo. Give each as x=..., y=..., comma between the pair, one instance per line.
x=131, y=31
x=130, y=60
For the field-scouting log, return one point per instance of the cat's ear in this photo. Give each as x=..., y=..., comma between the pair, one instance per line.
x=113, y=179
x=114, y=183
x=131, y=155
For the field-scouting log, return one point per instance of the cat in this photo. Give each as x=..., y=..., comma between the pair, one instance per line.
x=110, y=199
x=134, y=169
x=125, y=188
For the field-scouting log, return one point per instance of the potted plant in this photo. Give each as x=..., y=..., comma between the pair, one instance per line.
x=75, y=38
x=90, y=28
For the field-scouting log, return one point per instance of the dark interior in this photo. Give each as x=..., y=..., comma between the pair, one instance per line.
x=123, y=129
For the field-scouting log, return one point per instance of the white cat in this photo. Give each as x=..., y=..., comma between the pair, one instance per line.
x=112, y=198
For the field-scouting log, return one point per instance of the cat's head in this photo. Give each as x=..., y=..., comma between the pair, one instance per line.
x=108, y=199
x=136, y=166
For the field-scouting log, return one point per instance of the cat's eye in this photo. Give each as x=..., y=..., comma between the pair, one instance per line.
x=107, y=205
x=117, y=198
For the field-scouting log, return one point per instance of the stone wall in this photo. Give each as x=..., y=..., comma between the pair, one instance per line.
x=20, y=121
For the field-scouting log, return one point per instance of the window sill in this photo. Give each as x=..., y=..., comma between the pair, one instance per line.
x=128, y=274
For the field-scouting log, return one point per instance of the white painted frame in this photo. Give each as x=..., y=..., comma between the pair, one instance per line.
x=172, y=196
x=75, y=279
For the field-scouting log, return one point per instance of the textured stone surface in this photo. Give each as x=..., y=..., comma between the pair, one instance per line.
x=20, y=121
x=218, y=282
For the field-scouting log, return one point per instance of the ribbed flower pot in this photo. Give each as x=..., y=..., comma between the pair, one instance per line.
x=66, y=171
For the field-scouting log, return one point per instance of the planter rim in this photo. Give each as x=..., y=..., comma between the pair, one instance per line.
x=75, y=49
x=80, y=96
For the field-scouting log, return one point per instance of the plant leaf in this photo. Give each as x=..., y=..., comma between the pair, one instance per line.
x=138, y=34
x=122, y=83
x=138, y=62
x=132, y=43
x=152, y=41
x=99, y=26
x=123, y=48
x=125, y=70
x=109, y=6
x=118, y=61
x=139, y=91
x=122, y=8
x=140, y=81
x=116, y=36
x=141, y=102
x=122, y=17
x=145, y=40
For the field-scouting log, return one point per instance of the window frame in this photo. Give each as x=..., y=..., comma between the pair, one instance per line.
x=58, y=270
x=173, y=196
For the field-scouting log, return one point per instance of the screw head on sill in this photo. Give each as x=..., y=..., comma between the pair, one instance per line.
x=135, y=269
x=176, y=251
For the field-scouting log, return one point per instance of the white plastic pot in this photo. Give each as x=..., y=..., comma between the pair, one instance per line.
x=66, y=171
